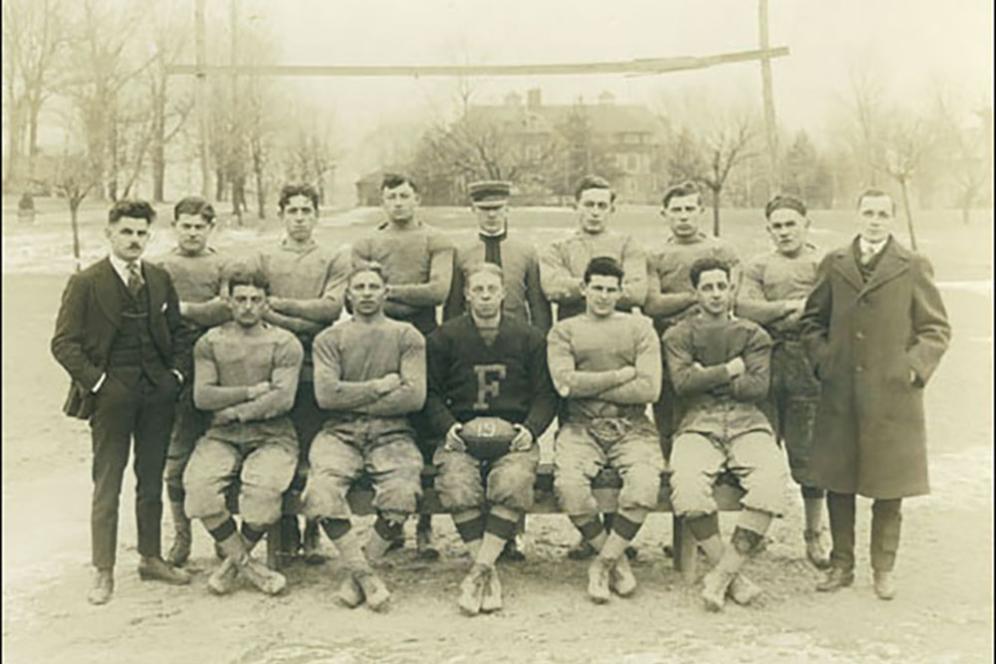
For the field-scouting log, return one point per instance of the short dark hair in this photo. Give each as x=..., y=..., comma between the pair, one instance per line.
x=478, y=267
x=288, y=191
x=705, y=265
x=366, y=266
x=395, y=180
x=194, y=205
x=686, y=188
x=871, y=192
x=605, y=266
x=136, y=209
x=244, y=276
x=593, y=182
x=784, y=201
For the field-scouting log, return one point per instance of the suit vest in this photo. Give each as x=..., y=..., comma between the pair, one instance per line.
x=133, y=346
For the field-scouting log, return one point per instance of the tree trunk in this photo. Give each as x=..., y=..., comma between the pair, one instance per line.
x=12, y=162
x=715, y=212
x=74, y=207
x=34, y=111
x=219, y=185
x=909, y=214
x=158, y=159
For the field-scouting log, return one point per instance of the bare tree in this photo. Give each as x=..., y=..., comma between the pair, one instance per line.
x=33, y=34
x=74, y=179
x=965, y=139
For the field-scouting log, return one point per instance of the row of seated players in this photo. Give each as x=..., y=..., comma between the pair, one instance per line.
x=374, y=376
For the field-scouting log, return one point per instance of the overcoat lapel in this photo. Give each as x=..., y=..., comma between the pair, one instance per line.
x=844, y=262
x=893, y=262
x=155, y=289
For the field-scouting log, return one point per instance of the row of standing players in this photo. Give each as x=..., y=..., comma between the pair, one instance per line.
x=307, y=285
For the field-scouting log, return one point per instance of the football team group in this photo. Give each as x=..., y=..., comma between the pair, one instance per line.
x=245, y=371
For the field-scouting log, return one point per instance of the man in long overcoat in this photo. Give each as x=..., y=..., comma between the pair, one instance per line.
x=875, y=329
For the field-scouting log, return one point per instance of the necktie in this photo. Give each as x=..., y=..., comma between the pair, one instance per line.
x=867, y=254
x=134, y=279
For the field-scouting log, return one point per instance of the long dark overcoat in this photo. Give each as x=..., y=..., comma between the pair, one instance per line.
x=864, y=339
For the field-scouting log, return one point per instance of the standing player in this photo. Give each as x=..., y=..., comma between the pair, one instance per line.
x=114, y=337
x=370, y=373
x=607, y=366
x=670, y=294
x=875, y=329
x=563, y=265
x=524, y=298
x=418, y=263
x=306, y=296
x=773, y=290
x=720, y=369
x=196, y=270
x=487, y=364
x=245, y=375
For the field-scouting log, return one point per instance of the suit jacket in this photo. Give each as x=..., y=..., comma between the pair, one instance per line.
x=864, y=339
x=89, y=318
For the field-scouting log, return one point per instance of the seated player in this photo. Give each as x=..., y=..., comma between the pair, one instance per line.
x=607, y=366
x=245, y=374
x=720, y=369
x=370, y=375
x=484, y=364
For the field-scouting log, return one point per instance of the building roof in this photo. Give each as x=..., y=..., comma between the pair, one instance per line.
x=604, y=118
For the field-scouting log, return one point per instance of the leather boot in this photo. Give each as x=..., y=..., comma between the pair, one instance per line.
x=835, y=579
x=598, y=580
x=884, y=586
x=621, y=579
x=472, y=589
x=153, y=568
x=103, y=587
x=492, y=593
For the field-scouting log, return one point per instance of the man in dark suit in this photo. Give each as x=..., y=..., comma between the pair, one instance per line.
x=875, y=329
x=114, y=335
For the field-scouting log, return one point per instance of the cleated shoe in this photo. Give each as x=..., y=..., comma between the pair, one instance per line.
x=835, y=579
x=884, y=586
x=179, y=552
x=472, y=589
x=583, y=551
x=742, y=590
x=511, y=553
x=598, y=580
x=492, y=593
x=423, y=546
x=350, y=593
x=374, y=590
x=311, y=549
x=621, y=579
x=816, y=550
x=261, y=576
x=714, y=587
x=222, y=581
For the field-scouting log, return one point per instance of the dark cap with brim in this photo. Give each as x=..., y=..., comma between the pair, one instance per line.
x=489, y=193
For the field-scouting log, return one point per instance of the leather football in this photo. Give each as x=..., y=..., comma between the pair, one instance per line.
x=487, y=438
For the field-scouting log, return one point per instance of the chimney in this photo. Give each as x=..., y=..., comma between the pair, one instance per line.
x=606, y=98
x=533, y=98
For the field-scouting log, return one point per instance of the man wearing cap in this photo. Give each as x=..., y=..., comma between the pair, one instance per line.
x=417, y=261
x=524, y=298
x=670, y=294
x=773, y=290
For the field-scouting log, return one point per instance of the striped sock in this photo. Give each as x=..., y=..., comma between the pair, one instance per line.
x=223, y=531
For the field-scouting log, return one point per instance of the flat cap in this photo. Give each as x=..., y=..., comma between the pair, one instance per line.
x=489, y=191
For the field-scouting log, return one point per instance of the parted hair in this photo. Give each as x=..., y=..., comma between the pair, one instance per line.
x=705, y=265
x=784, y=201
x=194, y=205
x=604, y=266
x=593, y=182
x=871, y=192
x=686, y=188
x=477, y=268
x=366, y=266
x=246, y=276
x=136, y=209
x=292, y=189
x=394, y=180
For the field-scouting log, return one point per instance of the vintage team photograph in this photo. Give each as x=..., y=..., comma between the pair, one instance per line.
x=371, y=331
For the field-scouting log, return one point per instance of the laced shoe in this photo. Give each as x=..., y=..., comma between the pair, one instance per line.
x=261, y=576
x=472, y=589
x=816, y=550
x=835, y=579
x=103, y=587
x=621, y=579
x=714, y=587
x=222, y=580
x=742, y=590
x=885, y=588
x=598, y=580
x=374, y=590
x=491, y=601
x=350, y=593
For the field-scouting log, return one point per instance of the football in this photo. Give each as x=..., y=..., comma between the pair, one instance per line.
x=487, y=437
